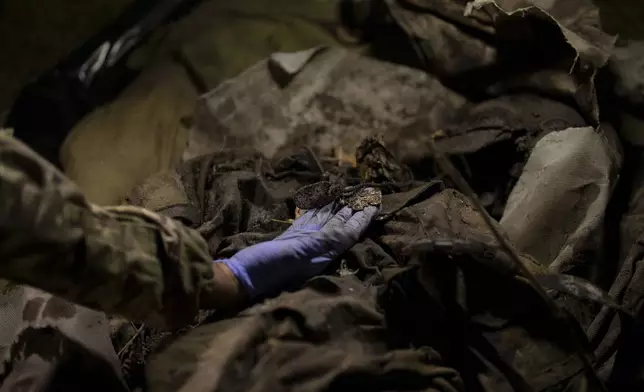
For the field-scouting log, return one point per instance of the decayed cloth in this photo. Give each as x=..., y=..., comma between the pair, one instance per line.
x=499, y=126
x=48, y=343
x=400, y=316
x=429, y=301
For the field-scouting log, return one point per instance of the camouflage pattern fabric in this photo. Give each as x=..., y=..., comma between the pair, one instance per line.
x=325, y=104
x=124, y=261
x=121, y=260
x=50, y=344
x=334, y=98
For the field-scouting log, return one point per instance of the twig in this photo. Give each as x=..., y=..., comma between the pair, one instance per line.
x=131, y=340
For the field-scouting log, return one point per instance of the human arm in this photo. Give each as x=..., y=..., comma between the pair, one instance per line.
x=132, y=262
x=120, y=260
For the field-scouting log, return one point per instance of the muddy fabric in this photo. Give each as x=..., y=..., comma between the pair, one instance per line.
x=50, y=344
x=335, y=99
x=340, y=316
x=333, y=112
x=628, y=67
x=327, y=98
x=625, y=82
x=615, y=340
x=145, y=129
x=341, y=332
x=121, y=260
x=506, y=128
x=570, y=173
x=550, y=46
x=632, y=222
x=426, y=301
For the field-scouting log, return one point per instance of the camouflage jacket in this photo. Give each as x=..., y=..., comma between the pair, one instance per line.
x=120, y=260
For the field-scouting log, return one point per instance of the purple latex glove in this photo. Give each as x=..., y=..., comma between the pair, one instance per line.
x=302, y=251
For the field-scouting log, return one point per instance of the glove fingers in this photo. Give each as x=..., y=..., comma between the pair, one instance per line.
x=303, y=220
x=345, y=228
x=339, y=219
x=311, y=220
x=315, y=216
x=360, y=221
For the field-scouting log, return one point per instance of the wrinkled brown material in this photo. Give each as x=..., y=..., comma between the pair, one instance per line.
x=320, y=106
x=341, y=321
x=262, y=104
x=46, y=340
x=121, y=260
x=553, y=47
x=426, y=301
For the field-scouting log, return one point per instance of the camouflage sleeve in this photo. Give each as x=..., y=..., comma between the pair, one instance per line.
x=120, y=260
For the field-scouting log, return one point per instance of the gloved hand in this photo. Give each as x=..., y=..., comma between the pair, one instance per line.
x=302, y=251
